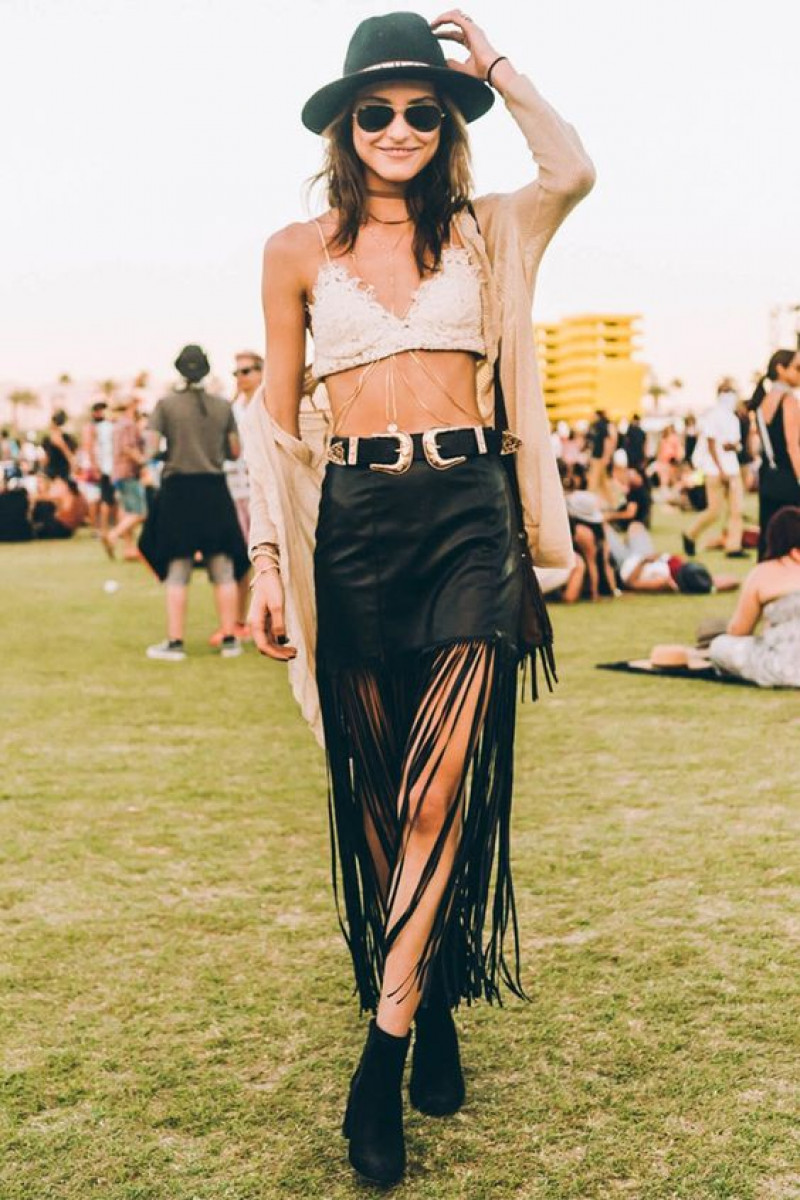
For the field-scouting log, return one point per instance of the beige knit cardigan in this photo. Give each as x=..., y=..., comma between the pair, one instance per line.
x=507, y=245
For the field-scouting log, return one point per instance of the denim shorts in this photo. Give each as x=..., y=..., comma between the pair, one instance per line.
x=132, y=497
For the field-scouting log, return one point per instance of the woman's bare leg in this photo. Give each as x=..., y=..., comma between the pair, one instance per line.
x=447, y=725
x=574, y=585
x=586, y=544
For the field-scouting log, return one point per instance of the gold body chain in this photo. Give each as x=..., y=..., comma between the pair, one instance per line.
x=392, y=365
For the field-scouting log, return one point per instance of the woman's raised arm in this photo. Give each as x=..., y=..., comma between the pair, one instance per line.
x=565, y=171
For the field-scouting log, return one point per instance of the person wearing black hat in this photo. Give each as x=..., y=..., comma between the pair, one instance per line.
x=193, y=513
x=405, y=632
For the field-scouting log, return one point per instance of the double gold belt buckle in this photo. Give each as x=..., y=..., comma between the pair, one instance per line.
x=405, y=453
x=405, y=450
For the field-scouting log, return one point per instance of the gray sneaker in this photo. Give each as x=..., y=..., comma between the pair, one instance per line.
x=231, y=647
x=167, y=651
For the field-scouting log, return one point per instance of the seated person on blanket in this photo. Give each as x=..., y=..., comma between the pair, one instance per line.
x=771, y=594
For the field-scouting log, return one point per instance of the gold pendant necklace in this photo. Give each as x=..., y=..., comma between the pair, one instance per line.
x=390, y=394
x=390, y=250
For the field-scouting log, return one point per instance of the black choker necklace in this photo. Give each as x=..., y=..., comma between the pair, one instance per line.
x=380, y=220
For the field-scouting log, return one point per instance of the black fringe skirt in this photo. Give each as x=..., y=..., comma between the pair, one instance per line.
x=418, y=589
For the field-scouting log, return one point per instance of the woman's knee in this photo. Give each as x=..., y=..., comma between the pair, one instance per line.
x=430, y=804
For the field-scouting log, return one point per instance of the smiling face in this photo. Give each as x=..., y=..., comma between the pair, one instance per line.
x=396, y=154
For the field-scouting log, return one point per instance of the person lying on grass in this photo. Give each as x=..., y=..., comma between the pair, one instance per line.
x=640, y=569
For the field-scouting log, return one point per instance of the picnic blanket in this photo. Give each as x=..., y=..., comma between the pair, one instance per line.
x=643, y=666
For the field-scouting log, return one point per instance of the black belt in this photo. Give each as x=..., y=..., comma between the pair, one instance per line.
x=442, y=448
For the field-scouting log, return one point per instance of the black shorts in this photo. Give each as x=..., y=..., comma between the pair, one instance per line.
x=107, y=494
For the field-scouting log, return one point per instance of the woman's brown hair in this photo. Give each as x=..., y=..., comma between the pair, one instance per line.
x=433, y=196
x=783, y=532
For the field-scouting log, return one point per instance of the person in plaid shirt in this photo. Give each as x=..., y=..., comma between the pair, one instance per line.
x=129, y=458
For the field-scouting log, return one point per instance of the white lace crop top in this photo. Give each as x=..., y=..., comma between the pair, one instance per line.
x=351, y=327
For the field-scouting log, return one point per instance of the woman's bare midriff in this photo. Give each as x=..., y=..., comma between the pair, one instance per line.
x=419, y=403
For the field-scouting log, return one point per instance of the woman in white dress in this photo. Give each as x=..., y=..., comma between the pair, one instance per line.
x=771, y=594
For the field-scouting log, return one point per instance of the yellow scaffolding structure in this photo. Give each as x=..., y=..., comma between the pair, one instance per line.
x=587, y=362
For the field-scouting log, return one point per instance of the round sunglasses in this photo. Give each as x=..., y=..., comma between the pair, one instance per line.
x=424, y=118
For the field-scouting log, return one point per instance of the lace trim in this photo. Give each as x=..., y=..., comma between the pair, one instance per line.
x=380, y=338
x=356, y=284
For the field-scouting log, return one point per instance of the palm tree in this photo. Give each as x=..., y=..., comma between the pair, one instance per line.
x=655, y=391
x=22, y=398
x=142, y=379
x=108, y=387
x=65, y=379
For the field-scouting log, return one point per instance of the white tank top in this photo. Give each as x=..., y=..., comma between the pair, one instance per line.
x=351, y=327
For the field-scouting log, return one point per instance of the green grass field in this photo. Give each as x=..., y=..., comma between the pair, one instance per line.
x=176, y=1014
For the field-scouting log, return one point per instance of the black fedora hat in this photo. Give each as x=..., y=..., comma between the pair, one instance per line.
x=396, y=45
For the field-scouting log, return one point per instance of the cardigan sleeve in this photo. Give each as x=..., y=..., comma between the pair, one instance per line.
x=263, y=497
x=285, y=475
x=565, y=175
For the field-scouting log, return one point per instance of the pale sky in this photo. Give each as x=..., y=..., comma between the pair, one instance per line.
x=150, y=146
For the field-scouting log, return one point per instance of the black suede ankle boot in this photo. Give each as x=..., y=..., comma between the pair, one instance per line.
x=437, y=1083
x=374, y=1118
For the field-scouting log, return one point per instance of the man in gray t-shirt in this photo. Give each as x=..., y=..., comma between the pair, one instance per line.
x=199, y=428
x=194, y=513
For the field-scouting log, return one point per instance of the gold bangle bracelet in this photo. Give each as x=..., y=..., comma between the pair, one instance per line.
x=263, y=571
x=265, y=550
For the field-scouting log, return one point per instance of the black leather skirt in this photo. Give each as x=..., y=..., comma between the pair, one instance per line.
x=418, y=590
x=408, y=562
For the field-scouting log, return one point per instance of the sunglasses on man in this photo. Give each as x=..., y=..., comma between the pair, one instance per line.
x=424, y=118
x=245, y=370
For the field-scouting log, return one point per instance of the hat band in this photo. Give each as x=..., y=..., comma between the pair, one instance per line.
x=401, y=62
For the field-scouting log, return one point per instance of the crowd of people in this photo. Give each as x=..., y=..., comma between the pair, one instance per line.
x=613, y=474
x=109, y=476
x=168, y=488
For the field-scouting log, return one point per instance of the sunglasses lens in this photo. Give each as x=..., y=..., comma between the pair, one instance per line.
x=372, y=118
x=424, y=117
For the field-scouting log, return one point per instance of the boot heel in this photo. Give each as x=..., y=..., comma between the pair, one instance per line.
x=437, y=1082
